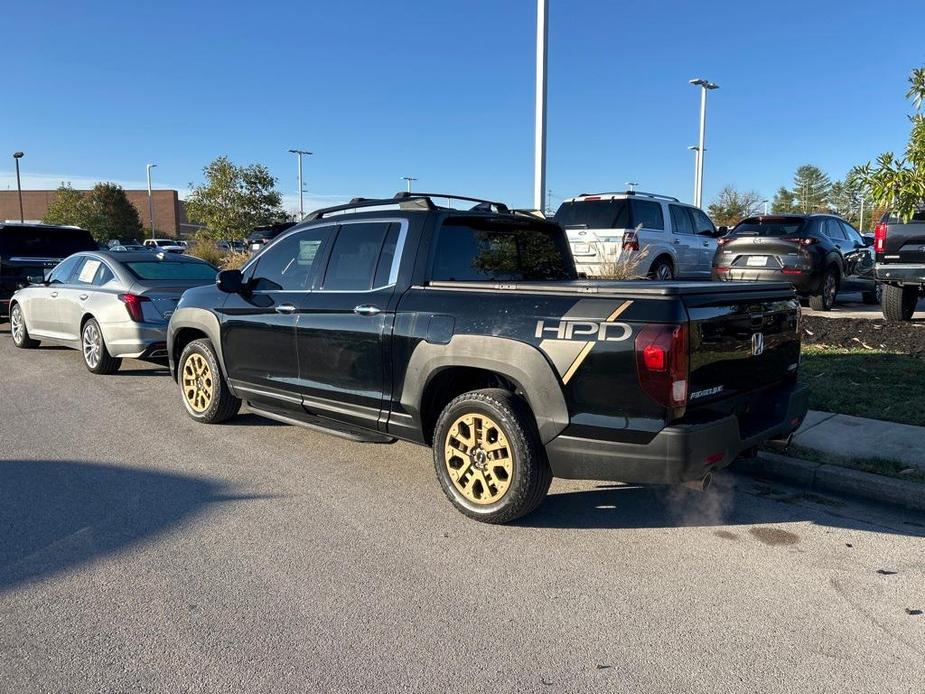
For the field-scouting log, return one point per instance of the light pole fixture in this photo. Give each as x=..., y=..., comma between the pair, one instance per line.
x=409, y=180
x=16, y=157
x=631, y=186
x=539, y=149
x=148, y=168
x=705, y=86
x=299, y=153
x=696, y=150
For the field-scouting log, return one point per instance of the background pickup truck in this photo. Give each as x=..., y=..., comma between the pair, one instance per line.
x=900, y=264
x=470, y=332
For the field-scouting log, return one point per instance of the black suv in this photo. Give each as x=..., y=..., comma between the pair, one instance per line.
x=29, y=251
x=469, y=331
x=818, y=254
x=900, y=252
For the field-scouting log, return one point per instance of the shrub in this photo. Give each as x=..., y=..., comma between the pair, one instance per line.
x=207, y=250
x=234, y=260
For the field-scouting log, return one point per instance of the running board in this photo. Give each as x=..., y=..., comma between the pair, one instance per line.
x=351, y=435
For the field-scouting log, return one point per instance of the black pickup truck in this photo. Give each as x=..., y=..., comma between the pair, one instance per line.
x=469, y=331
x=899, y=249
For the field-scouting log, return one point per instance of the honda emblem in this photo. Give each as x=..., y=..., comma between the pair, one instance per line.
x=757, y=344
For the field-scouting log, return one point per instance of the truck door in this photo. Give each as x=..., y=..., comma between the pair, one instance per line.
x=259, y=325
x=343, y=322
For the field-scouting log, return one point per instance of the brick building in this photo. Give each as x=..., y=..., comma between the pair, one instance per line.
x=169, y=211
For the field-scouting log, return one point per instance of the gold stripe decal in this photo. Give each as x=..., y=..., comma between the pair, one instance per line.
x=620, y=309
x=586, y=350
x=578, y=361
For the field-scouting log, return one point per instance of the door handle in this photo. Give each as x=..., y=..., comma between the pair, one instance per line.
x=706, y=244
x=83, y=297
x=367, y=310
x=285, y=308
x=676, y=241
x=54, y=294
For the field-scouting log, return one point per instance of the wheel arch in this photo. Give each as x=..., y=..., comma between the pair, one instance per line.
x=437, y=373
x=188, y=324
x=664, y=255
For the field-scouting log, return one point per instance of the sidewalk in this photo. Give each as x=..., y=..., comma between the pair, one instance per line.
x=860, y=438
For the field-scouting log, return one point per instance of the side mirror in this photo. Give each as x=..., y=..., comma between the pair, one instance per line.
x=722, y=231
x=36, y=279
x=230, y=281
x=868, y=239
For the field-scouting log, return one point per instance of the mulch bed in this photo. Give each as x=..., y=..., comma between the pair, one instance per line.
x=866, y=333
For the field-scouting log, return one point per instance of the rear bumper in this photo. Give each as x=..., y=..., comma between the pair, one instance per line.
x=678, y=453
x=806, y=282
x=4, y=306
x=136, y=340
x=900, y=273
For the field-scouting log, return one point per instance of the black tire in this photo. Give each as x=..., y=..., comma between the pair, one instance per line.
x=19, y=330
x=872, y=298
x=203, y=389
x=96, y=356
x=530, y=475
x=899, y=302
x=662, y=270
x=828, y=290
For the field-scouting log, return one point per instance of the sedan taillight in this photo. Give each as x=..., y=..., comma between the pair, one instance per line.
x=133, y=306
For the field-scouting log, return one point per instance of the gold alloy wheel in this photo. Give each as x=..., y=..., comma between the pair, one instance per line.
x=197, y=382
x=479, y=458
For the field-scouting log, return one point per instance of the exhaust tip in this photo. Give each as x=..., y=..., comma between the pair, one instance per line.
x=700, y=485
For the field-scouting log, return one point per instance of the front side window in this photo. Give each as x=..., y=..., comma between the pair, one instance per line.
x=483, y=250
x=63, y=270
x=288, y=264
x=649, y=214
x=355, y=255
x=702, y=223
x=853, y=234
x=680, y=220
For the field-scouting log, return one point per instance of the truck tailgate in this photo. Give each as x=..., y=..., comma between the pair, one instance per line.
x=740, y=344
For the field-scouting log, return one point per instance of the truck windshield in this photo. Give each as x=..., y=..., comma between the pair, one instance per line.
x=594, y=214
x=489, y=250
x=43, y=242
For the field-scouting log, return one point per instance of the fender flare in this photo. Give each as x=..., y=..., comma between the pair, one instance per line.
x=198, y=319
x=519, y=362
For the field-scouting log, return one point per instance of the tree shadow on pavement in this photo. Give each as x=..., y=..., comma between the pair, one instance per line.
x=55, y=515
x=732, y=500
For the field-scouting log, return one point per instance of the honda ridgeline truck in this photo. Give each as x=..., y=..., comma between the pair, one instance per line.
x=469, y=331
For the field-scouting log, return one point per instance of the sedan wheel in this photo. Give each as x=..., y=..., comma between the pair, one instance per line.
x=96, y=355
x=18, y=328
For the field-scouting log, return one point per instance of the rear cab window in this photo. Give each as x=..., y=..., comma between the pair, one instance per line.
x=486, y=250
x=356, y=255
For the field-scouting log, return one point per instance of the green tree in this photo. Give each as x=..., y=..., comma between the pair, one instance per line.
x=731, y=206
x=899, y=184
x=784, y=202
x=108, y=214
x=66, y=207
x=104, y=211
x=234, y=199
x=811, y=188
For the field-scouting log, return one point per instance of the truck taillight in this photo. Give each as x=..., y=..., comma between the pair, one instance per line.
x=662, y=363
x=133, y=306
x=880, y=238
x=630, y=241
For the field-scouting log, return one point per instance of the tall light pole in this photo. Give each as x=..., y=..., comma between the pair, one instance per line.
x=765, y=203
x=705, y=86
x=696, y=150
x=409, y=180
x=539, y=153
x=16, y=157
x=299, y=153
x=148, y=168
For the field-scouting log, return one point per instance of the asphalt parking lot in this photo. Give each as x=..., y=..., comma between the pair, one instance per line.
x=850, y=305
x=140, y=551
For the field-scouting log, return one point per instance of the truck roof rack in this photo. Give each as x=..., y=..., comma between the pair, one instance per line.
x=638, y=193
x=406, y=200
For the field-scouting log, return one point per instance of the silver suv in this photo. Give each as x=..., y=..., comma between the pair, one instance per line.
x=679, y=239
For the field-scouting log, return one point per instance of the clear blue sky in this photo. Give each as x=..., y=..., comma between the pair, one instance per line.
x=443, y=90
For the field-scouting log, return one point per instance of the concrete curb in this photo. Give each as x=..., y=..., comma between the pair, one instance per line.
x=833, y=478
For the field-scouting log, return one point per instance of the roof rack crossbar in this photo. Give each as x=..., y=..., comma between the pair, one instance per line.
x=633, y=192
x=426, y=200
